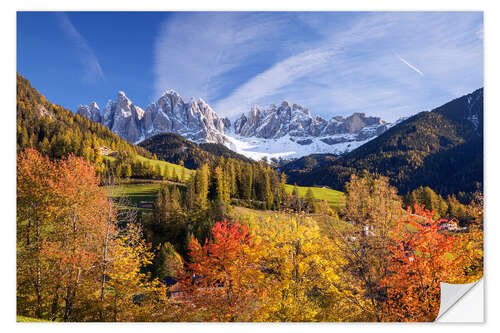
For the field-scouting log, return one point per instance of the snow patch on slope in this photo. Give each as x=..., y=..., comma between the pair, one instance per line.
x=284, y=147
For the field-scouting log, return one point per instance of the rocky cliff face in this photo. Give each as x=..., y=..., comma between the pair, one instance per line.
x=90, y=111
x=298, y=123
x=195, y=120
x=123, y=118
x=287, y=130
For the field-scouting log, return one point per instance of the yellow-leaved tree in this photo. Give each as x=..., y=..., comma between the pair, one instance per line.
x=302, y=272
x=132, y=294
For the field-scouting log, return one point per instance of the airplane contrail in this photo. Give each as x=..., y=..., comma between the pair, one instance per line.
x=410, y=65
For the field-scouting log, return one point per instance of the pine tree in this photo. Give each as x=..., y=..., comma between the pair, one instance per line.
x=165, y=173
x=232, y=179
x=183, y=174
x=190, y=199
x=310, y=201
x=175, y=200
x=118, y=171
x=167, y=263
x=281, y=190
x=174, y=175
x=249, y=194
x=127, y=170
x=296, y=201
x=202, y=185
x=222, y=193
x=157, y=171
x=162, y=205
x=268, y=192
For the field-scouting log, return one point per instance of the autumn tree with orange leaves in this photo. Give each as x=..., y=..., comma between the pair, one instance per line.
x=60, y=226
x=73, y=262
x=222, y=279
x=422, y=256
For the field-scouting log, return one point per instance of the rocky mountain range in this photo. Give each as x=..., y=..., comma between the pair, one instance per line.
x=297, y=122
x=441, y=148
x=194, y=120
x=287, y=130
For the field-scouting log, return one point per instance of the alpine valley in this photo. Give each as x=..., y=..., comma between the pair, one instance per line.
x=322, y=207
x=310, y=150
x=442, y=149
x=175, y=230
x=284, y=131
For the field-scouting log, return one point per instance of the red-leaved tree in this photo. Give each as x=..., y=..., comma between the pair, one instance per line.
x=422, y=256
x=222, y=281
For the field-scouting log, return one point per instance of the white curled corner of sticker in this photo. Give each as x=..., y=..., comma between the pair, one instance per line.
x=462, y=303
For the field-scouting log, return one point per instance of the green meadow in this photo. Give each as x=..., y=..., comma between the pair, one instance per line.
x=163, y=165
x=335, y=199
x=169, y=166
x=137, y=191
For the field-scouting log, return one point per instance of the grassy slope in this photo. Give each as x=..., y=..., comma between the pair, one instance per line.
x=334, y=198
x=142, y=191
x=147, y=190
x=163, y=165
x=135, y=192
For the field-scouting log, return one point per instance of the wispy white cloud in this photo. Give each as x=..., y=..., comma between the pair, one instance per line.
x=91, y=65
x=301, y=74
x=410, y=65
x=194, y=50
x=273, y=80
x=332, y=63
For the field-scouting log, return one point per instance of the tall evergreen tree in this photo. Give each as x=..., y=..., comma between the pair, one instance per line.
x=281, y=190
x=202, y=185
x=310, y=201
x=250, y=174
x=167, y=263
x=165, y=173
x=183, y=174
x=190, y=199
x=221, y=189
x=268, y=192
x=232, y=178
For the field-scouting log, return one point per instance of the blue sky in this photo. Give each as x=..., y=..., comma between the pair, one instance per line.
x=388, y=64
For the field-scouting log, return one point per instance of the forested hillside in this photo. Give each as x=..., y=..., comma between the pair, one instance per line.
x=173, y=148
x=57, y=132
x=308, y=163
x=442, y=149
x=229, y=241
x=79, y=258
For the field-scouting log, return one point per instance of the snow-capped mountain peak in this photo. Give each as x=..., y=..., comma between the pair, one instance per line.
x=283, y=130
x=290, y=130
